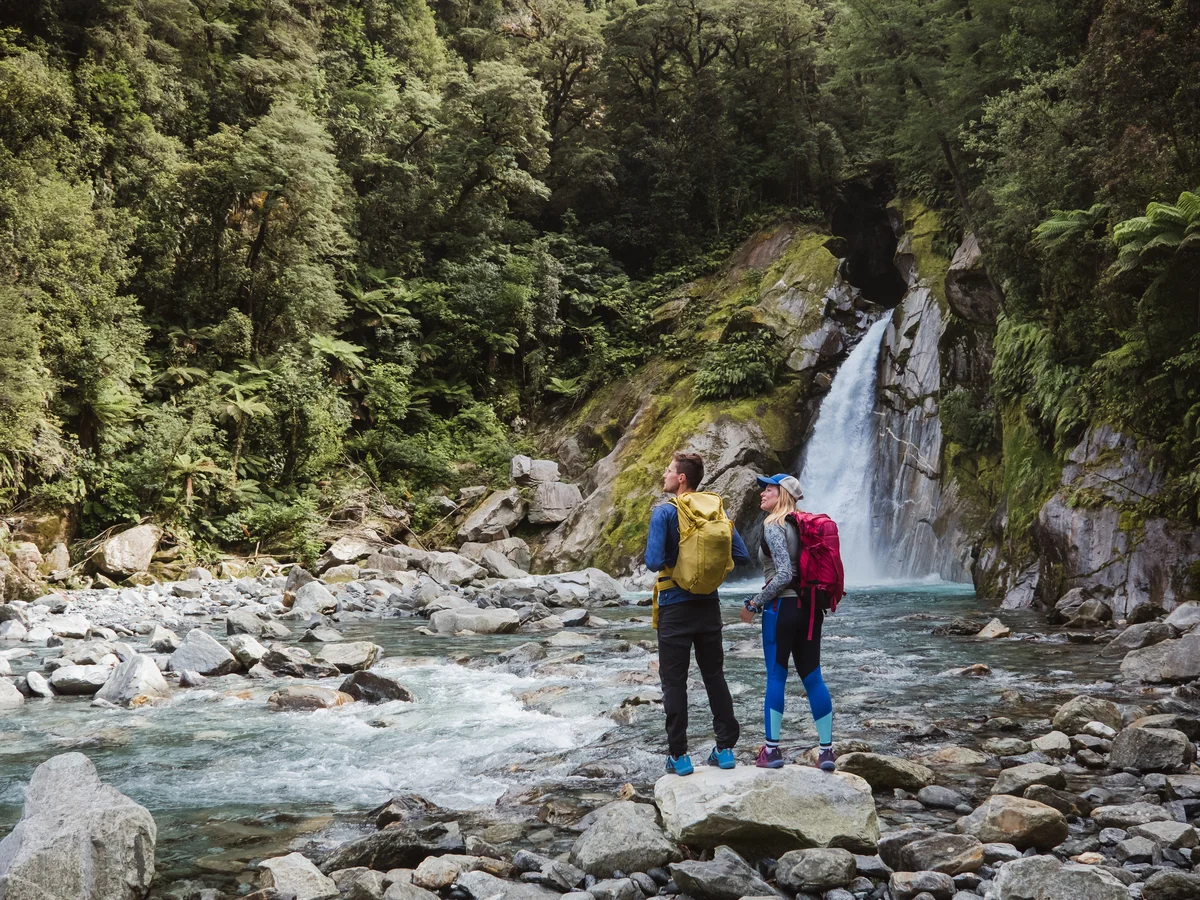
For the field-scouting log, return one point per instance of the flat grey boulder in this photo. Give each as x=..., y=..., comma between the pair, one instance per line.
x=128, y=552
x=201, y=653
x=725, y=877
x=307, y=697
x=911, y=885
x=1166, y=662
x=480, y=621
x=38, y=685
x=163, y=640
x=625, y=837
x=499, y=513
x=1135, y=637
x=452, y=569
x=886, y=772
x=397, y=847
x=484, y=886
x=817, y=870
x=500, y=565
x=950, y=854
x=769, y=811
x=1152, y=750
x=1046, y=878
x=79, y=680
x=514, y=549
x=295, y=874
x=77, y=838
x=1172, y=885
x=1074, y=715
x=10, y=697
x=526, y=471
x=246, y=650
x=553, y=502
x=69, y=626
x=1017, y=821
x=345, y=550
x=313, y=599
x=243, y=621
x=375, y=687
x=1184, y=616
x=135, y=682
x=350, y=656
x=1015, y=780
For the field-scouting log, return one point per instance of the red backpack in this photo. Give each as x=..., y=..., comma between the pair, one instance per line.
x=820, y=563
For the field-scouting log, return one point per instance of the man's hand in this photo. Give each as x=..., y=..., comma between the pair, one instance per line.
x=747, y=616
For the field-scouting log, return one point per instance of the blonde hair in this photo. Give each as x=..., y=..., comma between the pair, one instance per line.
x=785, y=503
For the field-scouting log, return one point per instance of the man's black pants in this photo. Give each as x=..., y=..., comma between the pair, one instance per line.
x=682, y=626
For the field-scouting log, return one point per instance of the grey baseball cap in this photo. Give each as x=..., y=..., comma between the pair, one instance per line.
x=789, y=483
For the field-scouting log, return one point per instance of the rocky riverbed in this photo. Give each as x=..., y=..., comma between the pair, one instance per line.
x=416, y=723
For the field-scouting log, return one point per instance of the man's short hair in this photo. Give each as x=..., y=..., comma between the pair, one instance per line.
x=691, y=467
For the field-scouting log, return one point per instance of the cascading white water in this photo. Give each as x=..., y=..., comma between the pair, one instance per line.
x=836, y=470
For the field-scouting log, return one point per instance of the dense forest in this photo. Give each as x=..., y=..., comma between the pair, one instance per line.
x=260, y=259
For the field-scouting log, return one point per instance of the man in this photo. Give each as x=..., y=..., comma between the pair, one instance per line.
x=686, y=619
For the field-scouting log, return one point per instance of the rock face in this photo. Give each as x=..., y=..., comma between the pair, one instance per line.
x=1085, y=546
x=622, y=836
x=769, y=811
x=968, y=289
x=128, y=552
x=134, y=682
x=1169, y=661
x=500, y=512
x=201, y=653
x=553, y=501
x=77, y=838
x=918, y=522
x=1014, y=820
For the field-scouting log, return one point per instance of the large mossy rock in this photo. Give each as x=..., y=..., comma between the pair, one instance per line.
x=768, y=812
x=78, y=838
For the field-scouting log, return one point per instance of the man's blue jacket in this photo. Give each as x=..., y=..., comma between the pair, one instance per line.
x=662, y=551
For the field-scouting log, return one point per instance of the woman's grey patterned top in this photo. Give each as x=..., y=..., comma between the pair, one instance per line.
x=778, y=566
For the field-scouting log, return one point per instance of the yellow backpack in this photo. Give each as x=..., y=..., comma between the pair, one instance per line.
x=705, y=547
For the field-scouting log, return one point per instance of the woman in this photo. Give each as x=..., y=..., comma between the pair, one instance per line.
x=791, y=624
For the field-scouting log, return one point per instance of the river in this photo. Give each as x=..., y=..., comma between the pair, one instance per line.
x=229, y=782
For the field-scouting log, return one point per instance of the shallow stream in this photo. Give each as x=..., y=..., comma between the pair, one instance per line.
x=229, y=782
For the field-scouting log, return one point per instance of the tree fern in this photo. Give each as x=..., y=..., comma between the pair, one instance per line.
x=1064, y=225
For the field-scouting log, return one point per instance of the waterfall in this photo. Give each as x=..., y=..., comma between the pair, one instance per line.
x=836, y=472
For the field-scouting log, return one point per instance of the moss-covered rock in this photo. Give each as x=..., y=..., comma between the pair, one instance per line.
x=782, y=278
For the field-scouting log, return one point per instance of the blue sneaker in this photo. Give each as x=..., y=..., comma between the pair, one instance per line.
x=722, y=758
x=680, y=765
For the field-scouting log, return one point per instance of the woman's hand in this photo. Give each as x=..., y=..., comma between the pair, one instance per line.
x=747, y=616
